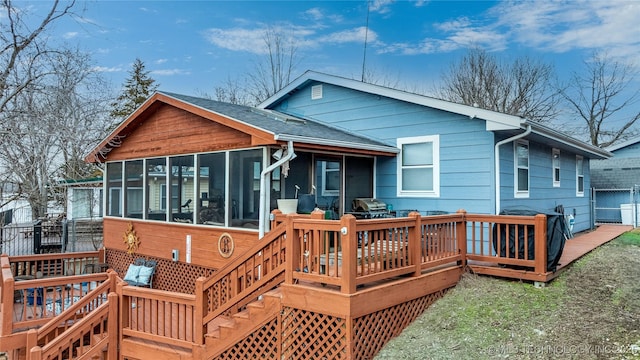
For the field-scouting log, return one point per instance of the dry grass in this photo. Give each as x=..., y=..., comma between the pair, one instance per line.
x=592, y=311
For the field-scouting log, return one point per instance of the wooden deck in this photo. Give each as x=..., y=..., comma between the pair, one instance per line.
x=292, y=295
x=574, y=248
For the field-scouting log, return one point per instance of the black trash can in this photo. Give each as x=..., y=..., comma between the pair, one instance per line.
x=555, y=236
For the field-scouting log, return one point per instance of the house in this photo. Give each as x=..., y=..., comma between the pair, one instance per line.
x=615, y=182
x=192, y=185
x=450, y=156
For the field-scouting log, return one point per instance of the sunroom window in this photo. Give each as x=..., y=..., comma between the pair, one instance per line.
x=418, y=166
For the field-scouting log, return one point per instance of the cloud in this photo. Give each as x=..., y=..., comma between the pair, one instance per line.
x=70, y=35
x=610, y=26
x=108, y=69
x=170, y=72
x=356, y=35
x=160, y=61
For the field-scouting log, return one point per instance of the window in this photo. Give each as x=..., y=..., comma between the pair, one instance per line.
x=114, y=188
x=330, y=171
x=521, y=169
x=133, y=195
x=555, y=163
x=579, y=176
x=156, y=189
x=419, y=166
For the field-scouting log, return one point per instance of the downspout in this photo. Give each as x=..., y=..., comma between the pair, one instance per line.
x=262, y=224
x=496, y=155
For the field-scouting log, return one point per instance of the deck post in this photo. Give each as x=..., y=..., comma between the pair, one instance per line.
x=198, y=313
x=113, y=326
x=349, y=241
x=35, y=353
x=540, y=244
x=293, y=251
x=102, y=255
x=415, y=243
x=32, y=342
x=461, y=237
x=124, y=304
x=8, y=283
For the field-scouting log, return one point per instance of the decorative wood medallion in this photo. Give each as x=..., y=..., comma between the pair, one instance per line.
x=225, y=245
x=131, y=239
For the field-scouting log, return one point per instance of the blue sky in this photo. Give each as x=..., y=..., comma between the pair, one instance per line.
x=190, y=47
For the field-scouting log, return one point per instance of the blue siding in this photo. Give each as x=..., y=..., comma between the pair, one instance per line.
x=466, y=154
x=542, y=193
x=466, y=160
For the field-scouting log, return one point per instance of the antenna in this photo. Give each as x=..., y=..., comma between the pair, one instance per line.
x=366, y=37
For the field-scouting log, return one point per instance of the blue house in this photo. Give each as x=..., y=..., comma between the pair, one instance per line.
x=448, y=156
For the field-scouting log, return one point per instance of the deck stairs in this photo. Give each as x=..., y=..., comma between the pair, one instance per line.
x=226, y=331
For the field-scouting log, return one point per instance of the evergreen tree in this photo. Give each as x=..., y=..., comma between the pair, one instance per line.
x=137, y=88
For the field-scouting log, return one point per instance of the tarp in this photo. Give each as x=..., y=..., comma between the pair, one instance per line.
x=556, y=236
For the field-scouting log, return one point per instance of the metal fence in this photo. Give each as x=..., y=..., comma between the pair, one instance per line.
x=617, y=206
x=39, y=238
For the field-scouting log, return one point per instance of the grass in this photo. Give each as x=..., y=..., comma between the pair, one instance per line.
x=591, y=311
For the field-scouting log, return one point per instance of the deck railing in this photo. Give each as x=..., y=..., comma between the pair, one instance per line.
x=166, y=317
x=506, y=240
x=245, y=278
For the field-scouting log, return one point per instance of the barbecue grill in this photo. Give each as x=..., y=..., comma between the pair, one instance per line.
x=369, y=208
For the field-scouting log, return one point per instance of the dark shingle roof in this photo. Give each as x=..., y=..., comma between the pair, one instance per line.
x=622, y=173
x=283, y=125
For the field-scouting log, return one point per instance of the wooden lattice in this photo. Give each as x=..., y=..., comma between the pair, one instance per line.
x=373, y=331
x=261, y=344
x=309, y=335
x=169, y=276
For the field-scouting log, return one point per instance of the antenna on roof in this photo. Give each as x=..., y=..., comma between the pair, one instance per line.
x=366, y=35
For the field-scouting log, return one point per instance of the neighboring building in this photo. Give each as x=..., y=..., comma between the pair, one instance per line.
x=84, y=198
x=329, y=140
x=616, y=182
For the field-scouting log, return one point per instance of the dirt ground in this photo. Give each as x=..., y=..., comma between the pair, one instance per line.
x=591, y=311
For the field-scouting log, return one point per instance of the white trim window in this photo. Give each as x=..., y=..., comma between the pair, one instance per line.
x=521, y=170
x=419, y=166
x=555, y=163
x=579, y=176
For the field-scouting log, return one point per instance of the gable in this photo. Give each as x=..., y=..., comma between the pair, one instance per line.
x=171, y=131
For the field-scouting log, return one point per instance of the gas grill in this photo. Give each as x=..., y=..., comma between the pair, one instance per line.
x=369, y=208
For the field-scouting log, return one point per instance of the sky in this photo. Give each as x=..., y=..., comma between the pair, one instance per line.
x=190, y=47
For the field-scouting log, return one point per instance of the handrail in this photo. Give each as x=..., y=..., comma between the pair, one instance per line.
x=248, y=276
x=93, y=328
x=77, y=310
x=36, y=300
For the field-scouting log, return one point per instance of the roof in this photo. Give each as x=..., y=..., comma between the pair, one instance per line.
x=286, y=127
x=495, y=121
x=615, y=173
x=281, y=126
x=624, y=144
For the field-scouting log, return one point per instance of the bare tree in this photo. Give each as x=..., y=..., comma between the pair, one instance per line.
x=522, y=87
x=604, y=98
x=52, y=125
x=274, y=71
x=232, y=91
x=24, y=52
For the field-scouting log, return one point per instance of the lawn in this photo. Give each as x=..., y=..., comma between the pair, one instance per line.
x=591, y=311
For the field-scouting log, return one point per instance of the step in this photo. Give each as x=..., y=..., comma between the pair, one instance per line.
x=136, y=348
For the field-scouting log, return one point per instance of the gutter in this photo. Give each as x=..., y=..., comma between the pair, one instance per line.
x=262, y=224
x=496, y=156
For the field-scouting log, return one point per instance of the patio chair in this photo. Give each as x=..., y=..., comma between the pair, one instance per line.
x=141, y=272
